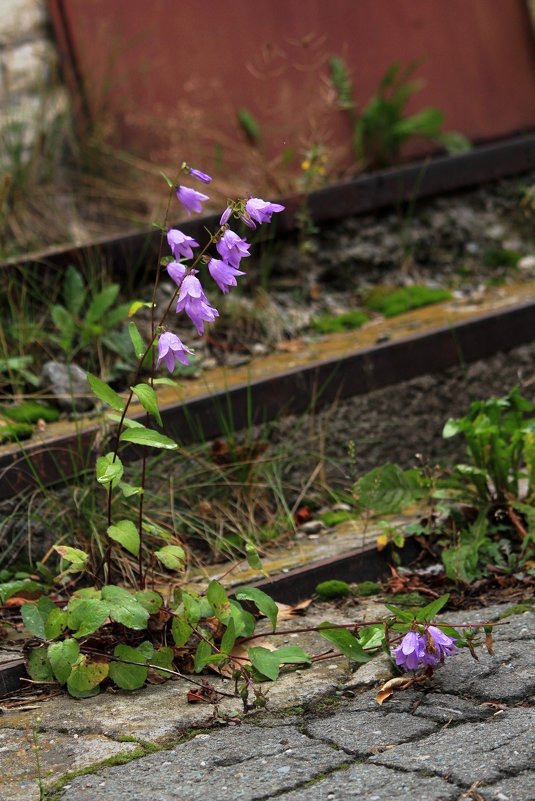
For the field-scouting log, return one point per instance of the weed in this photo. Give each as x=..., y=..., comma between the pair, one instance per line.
x=501, y=257
x=391, y=302
x=331, y=323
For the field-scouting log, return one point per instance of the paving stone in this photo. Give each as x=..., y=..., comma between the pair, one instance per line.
x=376, y=670
x=445, y=708
x=368, y=732
x=24, y=755
x=374, y=783
x=519, y=626
x=515, y=788
x=506, y=676
x=245, y=763
x=485, y=752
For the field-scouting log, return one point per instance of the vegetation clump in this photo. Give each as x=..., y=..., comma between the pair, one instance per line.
x=330, y=590
x=392, y=301
x=334, y=324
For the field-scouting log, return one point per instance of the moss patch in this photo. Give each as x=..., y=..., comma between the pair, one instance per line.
x=333, y=324
x=392, y=301
x=330, y=590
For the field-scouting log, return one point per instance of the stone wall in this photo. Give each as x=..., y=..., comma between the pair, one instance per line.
x=31, y=96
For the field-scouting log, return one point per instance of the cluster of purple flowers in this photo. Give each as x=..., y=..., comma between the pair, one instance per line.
x=224, y=271
x=425, y=649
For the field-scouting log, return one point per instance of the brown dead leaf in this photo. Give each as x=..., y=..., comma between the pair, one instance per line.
x=238, y=656
x=397, y=683
x=291, y=345
x=287, y=612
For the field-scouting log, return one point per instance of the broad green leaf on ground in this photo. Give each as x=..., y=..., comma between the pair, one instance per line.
x=163, y=657
x=105, y=393
x=55, y=623
x=346, y=643
x=172, y=556
x=109, y=470
x=76, y=557
x=202, y=654
x=371, y=636
x=218, y=600
x=10, y=588
x=263, y=602
x=181, y=630
x=38, y=666
x=124, y=607
x=87, y=616
x=125, y=533
x=244, y=621
x=268, y=663
x=149, y=401
x=62, y=656
x=151, y=600
x=389, y=489
x=34, y=616
x=131, y=677
x=149, y=438
x=87, y=673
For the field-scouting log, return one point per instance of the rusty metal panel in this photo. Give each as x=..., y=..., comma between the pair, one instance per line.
x=169, y=77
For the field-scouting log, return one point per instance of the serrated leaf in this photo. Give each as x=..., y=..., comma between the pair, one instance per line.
x=62, y=656
x=149, y=401
x=129, y=677
x=86, y=675
x=262, y=601
x=124, y=607
x=87, y=616
x=346, y=643
x=38, y=666
x=429, y=612
x=125, y=533
x=137, y=340
x=171, y=556
x=105, y=393
x=149, y=438
x=152, y=601
x=109, y=470
x=389, y=489
x=268, y=663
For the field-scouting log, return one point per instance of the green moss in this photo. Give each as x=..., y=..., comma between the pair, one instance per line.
x=333, y=324
x=333, y=589
x=15, y=431
x=334, y=518
x=501, y=257
x=30, y=412
x=391, y=302
x=407, y=599
x=518, y=609
x=365, y=588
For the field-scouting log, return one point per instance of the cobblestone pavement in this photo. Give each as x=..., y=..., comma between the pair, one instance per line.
x=469, y=734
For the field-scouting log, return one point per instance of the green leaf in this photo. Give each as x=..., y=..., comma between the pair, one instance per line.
x=87, y=616
x=34, y=616
x=180, y=630
x=86, y=675
x=64, y=321
x=126, y=533
x=136, y=306
x=389, y=489
x=163, y=657
x=109, y=470
x=148, y=400
x=128, y=489
x=76, y=557
x=100, y=303
x=203, y=654
x=263, y=602
x=130, y=677
x=105, y=393
x=10, y=588
x=73, y=290
x=429, y=612
x=219, y=601
x=401, y=614
x=55, y=623
x=38, y=666
x=62, y=656
x=229, y=638
x=268, y=663
x=135, y=336
x=124, y=607
x=253, y=560
x=115, y=418
x=346, y=643
x=171, y=556
x=152, y=601
x=244, y=621
x=371, y=636
x=149, y=438
x=167, y=180
x=165, y=381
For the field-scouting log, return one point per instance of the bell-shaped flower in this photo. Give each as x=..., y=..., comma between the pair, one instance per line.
x=194, y=302
x=201, y=176
x=176, y=271
x=232, y=248
x=171, y=351
x=190, y=198
x=260, y=211
x=181, y=244
x=225, y=217
x=223, y=274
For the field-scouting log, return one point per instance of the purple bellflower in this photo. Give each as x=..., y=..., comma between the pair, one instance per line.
x=171, y=350
x=428, y=649
x=232, y=248
x=194, y=302
x=181, y=244
x=260, y=211
x=201, y=176
x=190, y=198
x=176, y=271
x=225, y=217
x=224, y=274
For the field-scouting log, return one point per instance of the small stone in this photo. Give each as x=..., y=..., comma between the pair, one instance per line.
x=68, y=383
x=527, y=263
x=312, y=527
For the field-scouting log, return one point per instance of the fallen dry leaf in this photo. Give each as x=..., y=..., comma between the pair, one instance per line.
x=397, y=683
